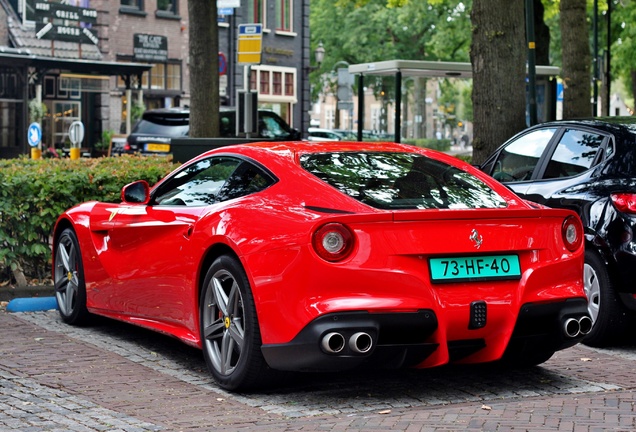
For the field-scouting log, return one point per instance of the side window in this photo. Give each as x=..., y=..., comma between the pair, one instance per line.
x=198, y=184
x=268, y=127
x=574, y=154
x=246, y=179
x=517, y=161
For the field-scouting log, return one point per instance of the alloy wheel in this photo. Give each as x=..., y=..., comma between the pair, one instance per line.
x=223, y=322
x=66, y=277
x=592, y=291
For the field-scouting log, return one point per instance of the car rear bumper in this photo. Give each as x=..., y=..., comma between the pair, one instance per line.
x=342, y=341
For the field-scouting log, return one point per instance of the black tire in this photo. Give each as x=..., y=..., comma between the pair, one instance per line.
x=68, y=279
x=230, y=334
x=609, y=315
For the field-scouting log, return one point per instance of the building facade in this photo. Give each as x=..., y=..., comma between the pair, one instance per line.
x=106, y=64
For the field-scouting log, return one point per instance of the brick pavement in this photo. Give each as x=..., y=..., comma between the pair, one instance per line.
x=114, y=377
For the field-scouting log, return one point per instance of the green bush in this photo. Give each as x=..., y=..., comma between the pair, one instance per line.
x=33, y=193
x=435, y=144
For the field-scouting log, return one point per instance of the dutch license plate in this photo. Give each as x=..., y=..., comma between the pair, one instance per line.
x=454, y=269
x=158, y=147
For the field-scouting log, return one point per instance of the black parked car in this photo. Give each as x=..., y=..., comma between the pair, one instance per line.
x=588, y=166
x=154, y=131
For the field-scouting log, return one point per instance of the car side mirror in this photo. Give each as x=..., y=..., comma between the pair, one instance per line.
x=136, y=193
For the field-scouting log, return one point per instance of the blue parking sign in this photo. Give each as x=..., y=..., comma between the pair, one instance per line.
x=34, y=134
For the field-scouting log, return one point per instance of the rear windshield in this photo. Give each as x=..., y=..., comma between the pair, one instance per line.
x=171, y=128
x=401, y=181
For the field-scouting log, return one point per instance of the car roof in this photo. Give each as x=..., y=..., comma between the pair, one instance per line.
x=293, y=149
x=179, y=111
x=609, y=124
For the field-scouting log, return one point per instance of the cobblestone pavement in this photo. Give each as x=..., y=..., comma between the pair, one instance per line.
x=116, y=377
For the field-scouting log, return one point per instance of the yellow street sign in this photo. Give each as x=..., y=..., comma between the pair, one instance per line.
x=250, y=43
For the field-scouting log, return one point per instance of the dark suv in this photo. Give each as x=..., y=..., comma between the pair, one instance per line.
x=154, y=132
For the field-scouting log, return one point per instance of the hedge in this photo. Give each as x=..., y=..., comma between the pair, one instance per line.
x=435, y=144
x=33, y=193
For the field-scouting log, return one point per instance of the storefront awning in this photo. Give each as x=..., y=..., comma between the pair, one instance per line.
x=21, y=58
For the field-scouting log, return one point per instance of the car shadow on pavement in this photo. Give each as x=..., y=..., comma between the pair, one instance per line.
x=430, y=386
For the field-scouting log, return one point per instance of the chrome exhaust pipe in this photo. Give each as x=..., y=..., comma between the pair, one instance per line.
x=572, y=327
x=361, y=343
x=333, y=343
x=585, y=325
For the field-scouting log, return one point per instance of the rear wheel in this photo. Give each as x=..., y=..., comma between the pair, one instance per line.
x=229, y=327
x=608, y=314
x=68, y=277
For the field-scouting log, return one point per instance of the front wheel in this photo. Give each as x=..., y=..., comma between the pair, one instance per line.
x=68, y=278
x=229, y=327
x=608, y=314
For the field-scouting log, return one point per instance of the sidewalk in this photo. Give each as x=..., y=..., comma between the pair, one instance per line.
x=116, y=377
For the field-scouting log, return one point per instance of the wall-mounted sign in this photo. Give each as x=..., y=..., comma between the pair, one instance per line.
x=65, y=33
x=151, y=48
x=58, y=21
x=44, y=9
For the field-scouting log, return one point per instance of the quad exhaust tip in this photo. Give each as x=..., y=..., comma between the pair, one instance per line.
x=359, y=343
x=333, y=343
x=574, y=327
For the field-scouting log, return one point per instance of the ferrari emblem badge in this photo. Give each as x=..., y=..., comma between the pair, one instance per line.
x=476, y=238
x=227, y=322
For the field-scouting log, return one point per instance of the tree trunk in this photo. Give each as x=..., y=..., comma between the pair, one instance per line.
x=575, y=47
x=498, y=58
x=20, y=279
x=204, y=68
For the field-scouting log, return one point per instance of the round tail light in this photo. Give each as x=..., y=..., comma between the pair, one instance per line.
x=333, y=242
x=572, y=233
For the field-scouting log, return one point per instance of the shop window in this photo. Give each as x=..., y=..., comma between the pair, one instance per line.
x=264, y=89
x=158, y=77
x=284, y=15
x=277, y=83
x=173, y=76
x=56, y=125
x=9, y=124
x=253, y=79
x=289, y=84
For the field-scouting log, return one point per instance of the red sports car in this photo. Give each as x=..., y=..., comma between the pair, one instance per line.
x=328, y=256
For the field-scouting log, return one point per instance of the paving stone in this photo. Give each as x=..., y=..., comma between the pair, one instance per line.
x=115, y=377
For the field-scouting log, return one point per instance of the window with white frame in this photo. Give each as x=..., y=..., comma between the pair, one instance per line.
x=257, y=12
x=284, y=15
x=277, y=84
